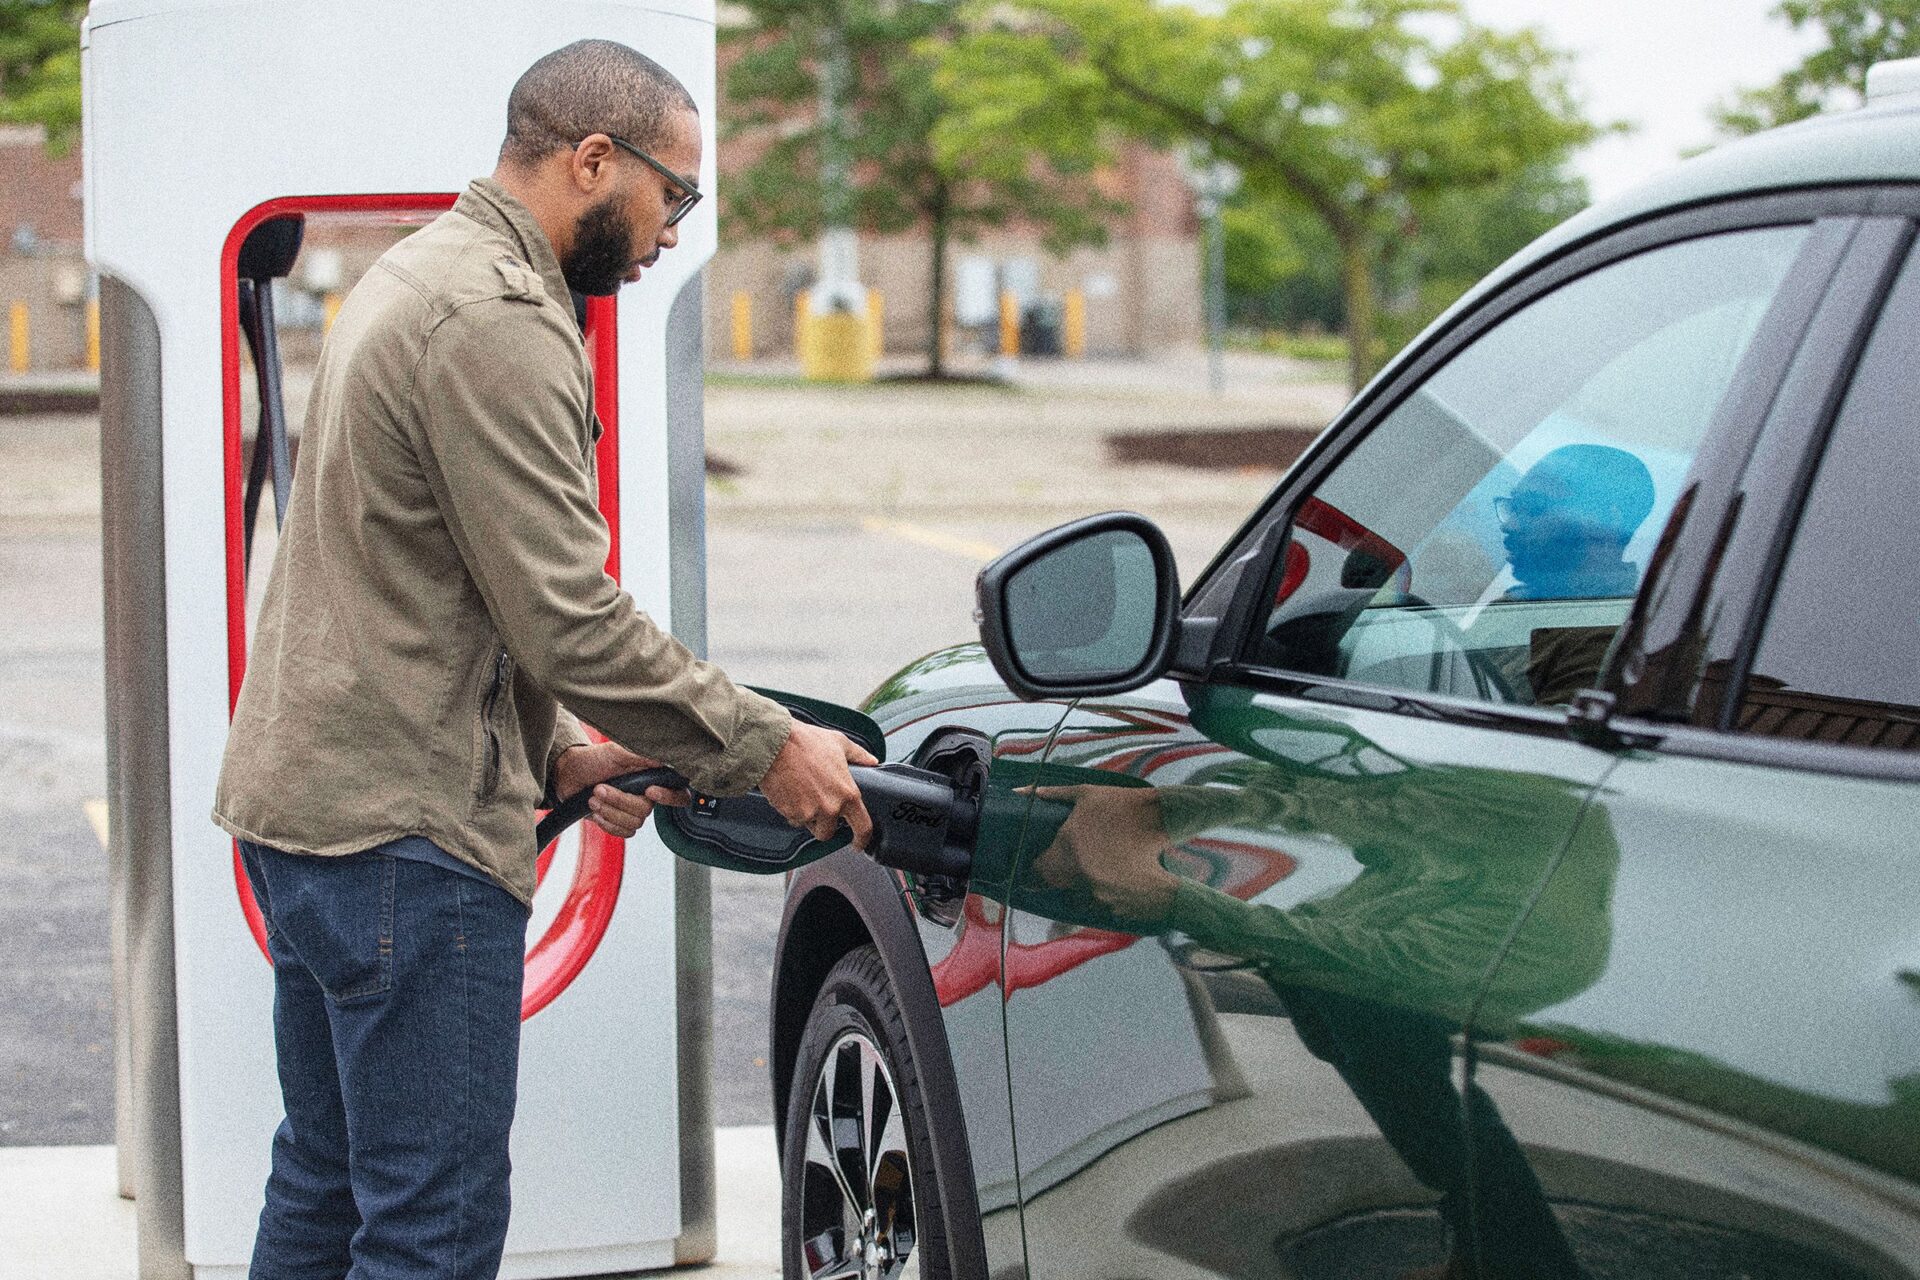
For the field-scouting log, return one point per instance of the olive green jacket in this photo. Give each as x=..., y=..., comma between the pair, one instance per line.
x=440, y=583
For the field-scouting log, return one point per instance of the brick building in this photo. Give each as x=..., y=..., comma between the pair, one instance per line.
x=42, y=258
x=1142, y=288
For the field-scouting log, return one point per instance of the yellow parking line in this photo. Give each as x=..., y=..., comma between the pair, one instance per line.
x=97, y=818
x=965, y=548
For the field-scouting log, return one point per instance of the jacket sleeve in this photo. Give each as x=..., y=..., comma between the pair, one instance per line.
x=567, y=734
x=499, y=405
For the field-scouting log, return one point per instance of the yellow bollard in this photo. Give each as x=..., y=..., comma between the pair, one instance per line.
x=742, y=325
x=93, y=335
x=838, y=348
x=877, y=322
x=330, y=305
x=22, y=337
x=802, y=315
x=1075, y=325
x=1009, y=323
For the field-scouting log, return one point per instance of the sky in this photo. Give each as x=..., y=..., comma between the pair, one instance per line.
x=1657, y=64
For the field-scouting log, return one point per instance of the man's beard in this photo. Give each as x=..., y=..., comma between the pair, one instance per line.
x=602, y=252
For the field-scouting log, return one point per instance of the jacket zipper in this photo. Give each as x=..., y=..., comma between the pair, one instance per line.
x=490, y=775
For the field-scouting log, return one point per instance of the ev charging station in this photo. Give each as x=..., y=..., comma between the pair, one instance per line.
x=204, y=122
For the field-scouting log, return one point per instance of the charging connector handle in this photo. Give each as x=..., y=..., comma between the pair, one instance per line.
x=921, y=822
x=574, y=808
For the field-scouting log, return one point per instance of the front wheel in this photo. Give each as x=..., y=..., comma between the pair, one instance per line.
x=859, y=1197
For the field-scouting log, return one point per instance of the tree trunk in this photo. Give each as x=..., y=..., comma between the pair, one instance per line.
x=937, y=287
x=1356, y=280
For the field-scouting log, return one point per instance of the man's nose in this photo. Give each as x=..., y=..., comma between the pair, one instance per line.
x=668, y=237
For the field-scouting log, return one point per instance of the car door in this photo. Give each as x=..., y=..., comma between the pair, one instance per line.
x=1257, y=907
x=959, y=922
x=1737, y=1093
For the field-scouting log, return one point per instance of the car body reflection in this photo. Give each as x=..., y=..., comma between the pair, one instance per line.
x=1319, y=975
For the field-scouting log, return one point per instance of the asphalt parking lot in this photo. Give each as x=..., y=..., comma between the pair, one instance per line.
x=845, y=527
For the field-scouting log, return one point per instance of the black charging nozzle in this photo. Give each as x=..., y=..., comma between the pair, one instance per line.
x=923, y=823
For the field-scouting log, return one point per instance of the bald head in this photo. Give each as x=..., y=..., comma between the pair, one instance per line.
x=590, y=86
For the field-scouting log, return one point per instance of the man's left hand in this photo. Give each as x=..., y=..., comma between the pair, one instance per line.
x=609, y=808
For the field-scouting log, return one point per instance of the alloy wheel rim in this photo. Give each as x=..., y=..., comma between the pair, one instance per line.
x=856, y=1179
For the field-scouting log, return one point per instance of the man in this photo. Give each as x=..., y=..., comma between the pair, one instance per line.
x=1567, y=523
x=438, y=590
x=1565, y=528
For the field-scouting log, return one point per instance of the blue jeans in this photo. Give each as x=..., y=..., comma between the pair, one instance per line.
x=396, y=1021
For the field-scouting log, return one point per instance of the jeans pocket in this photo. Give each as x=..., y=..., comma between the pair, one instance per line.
x=336, y=915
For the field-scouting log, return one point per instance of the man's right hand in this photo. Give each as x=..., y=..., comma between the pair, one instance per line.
x=810, y=787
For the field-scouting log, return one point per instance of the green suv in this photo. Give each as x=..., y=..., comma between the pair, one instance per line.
x=1502, y=862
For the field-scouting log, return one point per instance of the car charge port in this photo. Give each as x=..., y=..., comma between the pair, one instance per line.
x=960, y=758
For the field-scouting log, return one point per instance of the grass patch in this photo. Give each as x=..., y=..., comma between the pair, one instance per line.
x=786, y=381
x=956, y=383
x=1321, y=348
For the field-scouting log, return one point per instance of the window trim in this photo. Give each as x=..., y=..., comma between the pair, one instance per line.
x=1800, y=756
x=1545, y=722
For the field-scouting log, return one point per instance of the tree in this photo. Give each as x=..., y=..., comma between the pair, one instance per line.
x=899, y=182
x=40, y=66
x=1362, y=115
x=1283, y=268
x=1859, y=33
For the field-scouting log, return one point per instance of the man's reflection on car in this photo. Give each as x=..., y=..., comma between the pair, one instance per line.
x=1380, y=975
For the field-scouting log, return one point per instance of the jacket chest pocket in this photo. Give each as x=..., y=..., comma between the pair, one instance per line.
x=495, y=701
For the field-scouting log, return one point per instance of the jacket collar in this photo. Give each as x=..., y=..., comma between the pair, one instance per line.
x=487, y=202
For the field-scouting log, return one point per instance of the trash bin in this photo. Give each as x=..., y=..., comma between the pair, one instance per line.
x=1041, y=324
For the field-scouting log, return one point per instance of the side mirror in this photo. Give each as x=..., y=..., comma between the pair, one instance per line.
x=1086, y=609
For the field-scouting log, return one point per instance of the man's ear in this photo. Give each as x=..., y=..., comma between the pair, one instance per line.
x=590, y=165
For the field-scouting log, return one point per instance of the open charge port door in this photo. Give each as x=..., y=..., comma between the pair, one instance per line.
x=962, y=757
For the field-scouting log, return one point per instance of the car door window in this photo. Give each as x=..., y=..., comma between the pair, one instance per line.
x=1835, y=662
x=1485, y=539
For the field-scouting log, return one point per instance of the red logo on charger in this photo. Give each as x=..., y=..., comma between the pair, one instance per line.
x=563, y=949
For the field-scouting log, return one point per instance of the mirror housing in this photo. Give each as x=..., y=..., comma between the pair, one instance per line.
x=1086, y=609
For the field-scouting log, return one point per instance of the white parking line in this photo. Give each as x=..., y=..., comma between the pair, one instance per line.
x=965, y=548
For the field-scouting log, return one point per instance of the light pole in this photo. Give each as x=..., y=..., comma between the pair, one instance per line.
x=1214, y=183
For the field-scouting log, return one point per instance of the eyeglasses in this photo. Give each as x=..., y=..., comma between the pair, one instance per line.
x=689, y=193
x=1521, y=506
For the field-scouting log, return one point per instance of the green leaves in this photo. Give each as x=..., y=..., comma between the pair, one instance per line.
x=1364, y=114
x=1859, y=33
x=40, y=66
x=897, y=105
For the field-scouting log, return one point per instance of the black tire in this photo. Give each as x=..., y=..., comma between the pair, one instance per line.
x=856, y=1026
